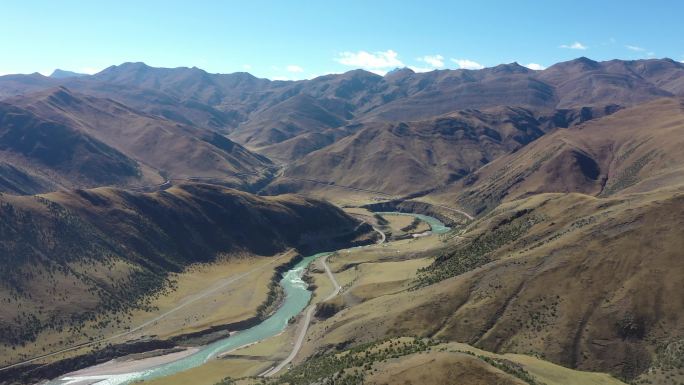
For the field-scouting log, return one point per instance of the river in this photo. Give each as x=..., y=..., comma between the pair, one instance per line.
x=296, y=299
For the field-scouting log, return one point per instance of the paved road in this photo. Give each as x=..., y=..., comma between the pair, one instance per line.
x=470, y=217
x=306, y=322
x=382, y=235
x=165, y=185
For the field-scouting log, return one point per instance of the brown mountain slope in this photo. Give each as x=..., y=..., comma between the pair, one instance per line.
x=91, y=257
x=406, y=158
x=584, y=82
x=415, y=361
x=297, y=147
x=224, y=101
x=154, y=142
x=585, y=282
x=288, y=120
x=21, y=182
x=41, y=150
x=183, y=83
x=297, y=115
x=157, y=103
x=423, y=95
x=410, y=96
x=13, y=85
x=634, y=150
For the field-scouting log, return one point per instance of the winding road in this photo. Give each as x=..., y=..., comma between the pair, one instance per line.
x=296, y=303
x=307, y=321
x=309, y=314
x=383, y=237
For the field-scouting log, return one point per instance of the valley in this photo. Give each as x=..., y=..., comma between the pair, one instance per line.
x=501, y=225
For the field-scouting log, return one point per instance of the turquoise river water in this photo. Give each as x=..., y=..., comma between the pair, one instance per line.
x=297, y=297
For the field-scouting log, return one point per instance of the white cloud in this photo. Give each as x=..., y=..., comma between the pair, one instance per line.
x=247, y=67
x=294, y=68
x=379, y=72
x=435, y=61
x=468, y=64
x=421, y=69
x=88, y=70
x=534, y=66
x=575, y=45
x=635, y=48
x=283, y=78
x=372, y=61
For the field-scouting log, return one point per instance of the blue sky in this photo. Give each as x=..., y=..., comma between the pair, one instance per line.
x=302, y=39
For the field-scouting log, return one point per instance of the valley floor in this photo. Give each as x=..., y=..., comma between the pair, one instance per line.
x=205, y=295
x=365, y=274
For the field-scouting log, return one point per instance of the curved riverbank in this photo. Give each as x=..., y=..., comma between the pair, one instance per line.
x=297, y=297
x=448, y=215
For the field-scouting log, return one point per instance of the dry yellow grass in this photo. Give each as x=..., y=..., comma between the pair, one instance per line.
x=255, y=358
x=439, y=368
x=544, y=371
x=396, y=224
x=97, y=256
x=208, y=298
x=637, y=149
x=590, y=270
x=212, y=299
x=340, y=195
x=271, y=349
x=214, y=371
x=381, y=278
x=445, y=362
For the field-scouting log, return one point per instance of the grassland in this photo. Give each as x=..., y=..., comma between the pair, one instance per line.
x=210, y=296
x=256, y=358
x=552, y=274
x=204, y=295
x=422, y=361
x=81, y=267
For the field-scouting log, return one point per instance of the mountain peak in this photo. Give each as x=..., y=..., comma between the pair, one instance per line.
x=137, y=64
x=63, y=74
x=125, y=67
x=585, y=61
x=399, y=73
x=514, y=67
x=360, y=73
x=582, y=63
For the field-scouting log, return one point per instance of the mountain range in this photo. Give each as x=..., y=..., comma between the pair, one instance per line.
x=287, y=121
x=564, y=187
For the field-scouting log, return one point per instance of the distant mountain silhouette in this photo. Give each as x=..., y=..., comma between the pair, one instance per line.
x=61, y=74
x=287, y=120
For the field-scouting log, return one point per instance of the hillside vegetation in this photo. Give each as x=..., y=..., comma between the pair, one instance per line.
x=404, y=158
x=583, y=282
x=83, y=141
x=635, y=150
x=93, y=256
